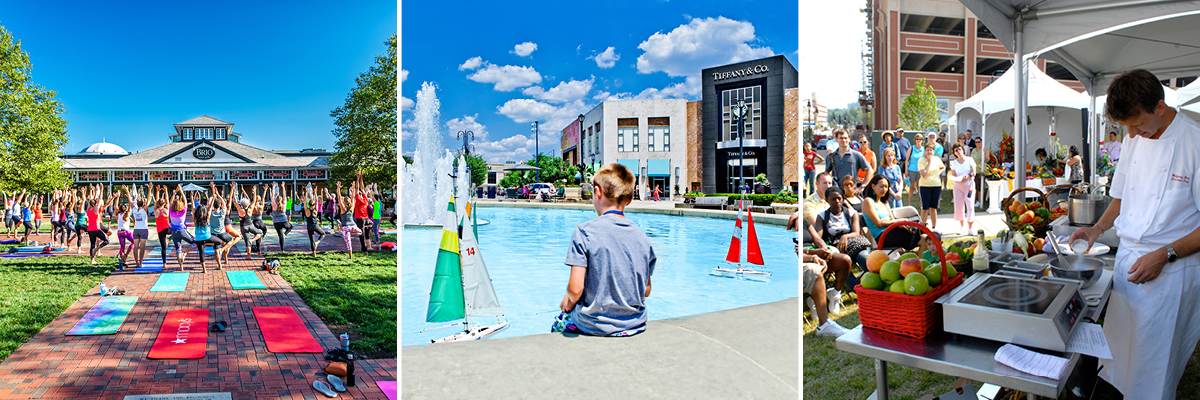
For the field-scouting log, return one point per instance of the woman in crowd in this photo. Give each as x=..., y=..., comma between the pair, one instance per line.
x=349, y=227
x=257, y=209
x=839, y=226
x=890, y=170
x=203, y=236
x=376, y=214
x=850, y=193
x=962, y=175
x=915, y=153
x=56, y=218
x=247, y=222
x=162, y=219
x=218, y=209
x=361, y=203
x=279, y=216
x=124, y=231
x=930, y=182
x=141, y=225
x=81, y=218
x=1074, y=166
x=97, y=234
x=878, y=213
x=811, y=158
x=178, y=221
x=312, y=222
x=329, y=209
x=232, y=235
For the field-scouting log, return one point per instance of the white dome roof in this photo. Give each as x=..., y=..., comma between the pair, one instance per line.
x=104, y=148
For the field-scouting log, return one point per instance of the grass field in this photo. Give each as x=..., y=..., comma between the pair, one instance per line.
x=356, y=296
x=34, y=291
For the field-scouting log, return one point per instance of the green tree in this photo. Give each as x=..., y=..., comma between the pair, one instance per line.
x=478, y=169
x=32, y=130
x=516, y=178
x=919, y=110
x=366, y=124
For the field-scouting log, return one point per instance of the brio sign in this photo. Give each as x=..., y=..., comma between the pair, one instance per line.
x=204, y=153
x=739, y=73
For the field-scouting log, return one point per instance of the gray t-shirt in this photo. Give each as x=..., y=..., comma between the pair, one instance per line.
x=619, y=261
x=848, y=164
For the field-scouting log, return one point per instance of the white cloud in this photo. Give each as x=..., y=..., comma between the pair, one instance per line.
x=699, y=44
x=506, y=77
x=471, y=63
x=403, y=75
x=513, y=148
x=405, y=103
x=568, y=91
x=524, y=49
x=552, y=118
x=688, y=89
x=467, y=123
x=408, y=129
x=525, y=110
x=533, y=91
x=606, y=59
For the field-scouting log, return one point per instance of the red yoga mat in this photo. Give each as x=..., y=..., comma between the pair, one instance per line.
x=183, y=335
x=284, y=331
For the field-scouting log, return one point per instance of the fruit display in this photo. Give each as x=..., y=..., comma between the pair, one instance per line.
x=909, y=274
x=1031, y=216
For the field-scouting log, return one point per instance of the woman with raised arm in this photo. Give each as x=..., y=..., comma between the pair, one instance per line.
x=204, y=234
x=217, y=211
x=124, y=231
x=329, y=209
x=177, y=216
x=162, y=220
x=358, y=194
x=312, y=221
x=250, y=233
x=256, y=214
x=95, y=215
x=279, y=216
x=79, y=211
x=349, y=228
x=234, y=234
x=141, y=224
x=376, y=215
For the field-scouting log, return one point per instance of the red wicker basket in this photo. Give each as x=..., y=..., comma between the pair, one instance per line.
x=911, y=316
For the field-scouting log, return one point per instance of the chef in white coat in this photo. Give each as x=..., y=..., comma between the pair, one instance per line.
x=1153, y=319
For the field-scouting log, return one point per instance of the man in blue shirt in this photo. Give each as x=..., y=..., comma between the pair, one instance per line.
x=902, y=157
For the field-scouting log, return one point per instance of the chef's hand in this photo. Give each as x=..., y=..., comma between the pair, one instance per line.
x=1148, y=266
x=1090, y=234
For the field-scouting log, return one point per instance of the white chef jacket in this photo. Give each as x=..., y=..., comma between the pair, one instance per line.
x=1153, y=328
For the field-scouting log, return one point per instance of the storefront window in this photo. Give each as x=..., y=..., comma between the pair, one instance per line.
x=752, y=95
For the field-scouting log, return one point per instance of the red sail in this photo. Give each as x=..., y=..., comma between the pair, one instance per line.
x=753, y=253
x=735, y=242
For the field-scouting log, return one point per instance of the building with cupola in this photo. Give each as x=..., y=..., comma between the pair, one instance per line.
x=199, y=150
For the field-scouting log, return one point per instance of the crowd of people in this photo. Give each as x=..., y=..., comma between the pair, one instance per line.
x=220, y=218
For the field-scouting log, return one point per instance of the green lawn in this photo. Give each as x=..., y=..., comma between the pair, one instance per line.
x=34, y=291
x=832, y=374
x=358, y=296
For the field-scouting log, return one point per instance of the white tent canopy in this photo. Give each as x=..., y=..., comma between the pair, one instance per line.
x=1066, y=31
x=1044, y=91
x=1189, y=95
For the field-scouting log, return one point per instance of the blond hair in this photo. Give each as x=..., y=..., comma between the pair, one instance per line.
x=617, y=182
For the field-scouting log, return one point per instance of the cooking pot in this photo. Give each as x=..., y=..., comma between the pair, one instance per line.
x=1085, y=209
x=1080, y=268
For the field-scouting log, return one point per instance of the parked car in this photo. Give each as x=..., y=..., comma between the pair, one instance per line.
x=537, y=188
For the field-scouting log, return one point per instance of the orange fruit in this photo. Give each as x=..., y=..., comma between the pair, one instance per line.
x=876, y=259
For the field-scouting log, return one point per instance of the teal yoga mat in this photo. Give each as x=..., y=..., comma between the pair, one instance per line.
x=171, y=282
x=244, y=280
x=105, y=317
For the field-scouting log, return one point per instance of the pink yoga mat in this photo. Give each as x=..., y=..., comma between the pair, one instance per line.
x=388, y=388
x=284, y=331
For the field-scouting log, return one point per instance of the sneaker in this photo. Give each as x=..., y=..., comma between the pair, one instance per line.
x=833, y=299
x=830, y=329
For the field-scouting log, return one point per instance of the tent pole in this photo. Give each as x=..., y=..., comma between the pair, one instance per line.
x=1093, y=138
x=1019, y=128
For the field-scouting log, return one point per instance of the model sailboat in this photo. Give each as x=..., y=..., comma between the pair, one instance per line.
x=734, y=255
x=462, y=288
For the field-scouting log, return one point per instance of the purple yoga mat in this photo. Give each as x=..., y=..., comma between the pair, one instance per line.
x=388, y=388
x=23, y=255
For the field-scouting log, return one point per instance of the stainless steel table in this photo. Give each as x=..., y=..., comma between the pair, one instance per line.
x=959, y=356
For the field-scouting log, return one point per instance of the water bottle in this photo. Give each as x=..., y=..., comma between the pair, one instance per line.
x=103, y=289
x=350, y=370
x=345, y=341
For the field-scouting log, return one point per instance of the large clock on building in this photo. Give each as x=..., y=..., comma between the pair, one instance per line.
x=204, y=153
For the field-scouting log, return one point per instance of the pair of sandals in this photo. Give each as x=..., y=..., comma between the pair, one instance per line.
x=113, y=291
x=332, y=388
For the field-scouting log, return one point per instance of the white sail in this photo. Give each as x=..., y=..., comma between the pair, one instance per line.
x=478, y=292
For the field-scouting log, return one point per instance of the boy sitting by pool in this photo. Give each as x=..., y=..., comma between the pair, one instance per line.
x=611, y=261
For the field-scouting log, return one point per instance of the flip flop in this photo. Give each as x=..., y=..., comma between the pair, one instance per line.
x=324, y=389
x=336, y=382
x=220, y=326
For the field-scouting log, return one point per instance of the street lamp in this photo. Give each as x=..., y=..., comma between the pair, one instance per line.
x=739, y=112
x=466, y=136
x=579, y=151
x=537, y=151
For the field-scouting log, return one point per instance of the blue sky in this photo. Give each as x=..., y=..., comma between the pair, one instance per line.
x=126, y=71
x=657, y=50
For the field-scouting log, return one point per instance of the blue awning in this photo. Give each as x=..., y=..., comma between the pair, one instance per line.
x=632, y=165
x=661, y=167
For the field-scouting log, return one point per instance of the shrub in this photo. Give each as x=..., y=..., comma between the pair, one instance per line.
x=757, y=199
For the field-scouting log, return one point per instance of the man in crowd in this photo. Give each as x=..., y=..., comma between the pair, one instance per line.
x=845, y=161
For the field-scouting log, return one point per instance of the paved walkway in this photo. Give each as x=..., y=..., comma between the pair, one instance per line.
x=52, y=365
x=745, y=353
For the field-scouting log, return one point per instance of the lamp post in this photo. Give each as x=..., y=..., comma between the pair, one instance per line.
x=579, y=142
x=466, y=136
x=537, y=152
x=740, y=113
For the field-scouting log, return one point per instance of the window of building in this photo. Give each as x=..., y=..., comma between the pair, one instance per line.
x=931, y=63
x=620, y=139
x=220, y=133
x=752, y=95
x=930, y=24
x=187, y=133
x=660, y=127
x=635, y=140
x=627, y=127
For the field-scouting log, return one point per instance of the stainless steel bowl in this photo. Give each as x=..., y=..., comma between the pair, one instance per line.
x=1086, y=270
x=1086, y=209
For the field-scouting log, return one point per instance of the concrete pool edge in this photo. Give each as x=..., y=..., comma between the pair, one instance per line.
x=772, y=219
x=747, y=352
